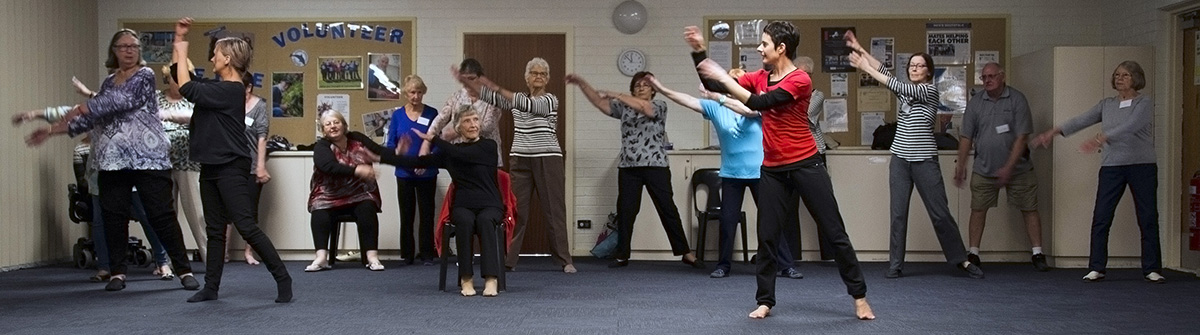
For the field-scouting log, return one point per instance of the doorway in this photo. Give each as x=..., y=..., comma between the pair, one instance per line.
x=1189, y=147
x=504, y=56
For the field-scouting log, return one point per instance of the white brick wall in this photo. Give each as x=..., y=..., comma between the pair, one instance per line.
x=1035, y=25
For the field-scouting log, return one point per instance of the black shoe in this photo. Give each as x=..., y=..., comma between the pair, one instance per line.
x=972, y=270
x=618, y=263
x=790, y=273
x=115, y=284
x=974, y=259
x=719, y=273
x=189, y=282
x=1039, y=263
x=893, y=274
x=695, y=263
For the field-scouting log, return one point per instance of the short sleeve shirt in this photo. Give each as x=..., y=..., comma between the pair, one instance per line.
x=741, y=141
x=642, y=137
x=993, y=126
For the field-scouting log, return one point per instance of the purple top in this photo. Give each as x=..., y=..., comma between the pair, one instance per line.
x=123, y=119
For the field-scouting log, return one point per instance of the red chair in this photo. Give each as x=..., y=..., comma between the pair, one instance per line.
x=445, y=227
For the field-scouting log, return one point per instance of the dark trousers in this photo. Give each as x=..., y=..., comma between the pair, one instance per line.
x=225, y=195
x=657, y=181
x=366, y=218
x=416, y=197
x=811, y=180
x=1143, y=184
x=733, y=190
x=545, y=177
x=926, y=175
x=482, y=222
x=154, y=189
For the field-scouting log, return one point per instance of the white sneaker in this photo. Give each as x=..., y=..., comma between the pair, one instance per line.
x=1096, y=276
x=1156, y=278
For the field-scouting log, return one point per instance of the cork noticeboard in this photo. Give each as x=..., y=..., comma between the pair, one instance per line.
x=327, y=57
x=988, y=33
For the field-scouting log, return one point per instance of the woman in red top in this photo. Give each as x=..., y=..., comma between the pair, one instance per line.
x=343, y=183
x=790, y=162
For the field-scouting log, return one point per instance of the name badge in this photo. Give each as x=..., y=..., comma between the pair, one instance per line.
x=249, y=121
x=423, y=121
x=1002, y=129
x=1126, y=103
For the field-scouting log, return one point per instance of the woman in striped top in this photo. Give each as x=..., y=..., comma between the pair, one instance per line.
x=536, y=162
x=915, y=158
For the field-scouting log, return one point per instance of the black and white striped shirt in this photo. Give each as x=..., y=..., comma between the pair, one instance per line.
x=535, y=120
x=918, y=110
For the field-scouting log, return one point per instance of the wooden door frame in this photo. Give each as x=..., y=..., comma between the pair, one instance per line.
x=567, y=101
x=1170, y=78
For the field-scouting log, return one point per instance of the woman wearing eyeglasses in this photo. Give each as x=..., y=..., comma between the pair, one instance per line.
x=1127, y=136
x=915, y=158
x=132, y=152
x=536, y=161
x=643, y=161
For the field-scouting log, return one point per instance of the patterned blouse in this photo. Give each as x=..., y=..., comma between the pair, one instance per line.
x=333, y=182
x=642, y=137
x=128, y=133
x=177, y=133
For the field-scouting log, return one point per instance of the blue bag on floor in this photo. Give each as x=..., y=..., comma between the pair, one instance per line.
x=605, y=248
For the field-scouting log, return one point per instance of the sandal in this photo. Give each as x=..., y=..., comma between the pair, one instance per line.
x=164, y=273
x=375, y=266
x=314, y=267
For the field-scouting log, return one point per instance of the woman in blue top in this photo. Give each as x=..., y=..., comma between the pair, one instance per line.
x=416, y=186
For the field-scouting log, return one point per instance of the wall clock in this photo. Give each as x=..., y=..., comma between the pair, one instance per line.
x=631, y=61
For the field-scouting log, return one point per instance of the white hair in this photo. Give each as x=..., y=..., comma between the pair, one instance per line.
x=536, y=61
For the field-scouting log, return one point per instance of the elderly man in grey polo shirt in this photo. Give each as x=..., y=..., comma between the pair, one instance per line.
x=997, y=124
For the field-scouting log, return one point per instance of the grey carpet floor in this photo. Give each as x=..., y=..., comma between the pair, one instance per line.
x=644, y=298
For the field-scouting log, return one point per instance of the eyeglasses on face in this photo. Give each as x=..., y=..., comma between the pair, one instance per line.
x=126, y=47
x=539, y=74
x=989, y=76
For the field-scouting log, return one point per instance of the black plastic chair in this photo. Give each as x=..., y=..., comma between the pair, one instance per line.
x=447, y=230
x=710, y=179
x=334, y=238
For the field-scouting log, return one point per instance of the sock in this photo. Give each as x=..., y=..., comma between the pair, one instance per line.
x=975, y=251
x=285, y=291
x=203, y=295
x=1037, y=250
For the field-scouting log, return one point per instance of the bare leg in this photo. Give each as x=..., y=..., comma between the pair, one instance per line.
x=978, y=221
x=1033, y=225
x=228, y=232
x=761, y=312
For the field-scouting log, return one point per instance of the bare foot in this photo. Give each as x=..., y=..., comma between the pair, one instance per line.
x=250, y=259
x=468, y=286
x=863, y=310
x=761, y=312
x=490, y=287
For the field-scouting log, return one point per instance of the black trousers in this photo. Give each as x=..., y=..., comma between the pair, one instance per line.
x=366, y=218
x=416, y=198
x=154, y=189
x=811, y=180
x=482, y=222
x=657, y=181
x=225, y=194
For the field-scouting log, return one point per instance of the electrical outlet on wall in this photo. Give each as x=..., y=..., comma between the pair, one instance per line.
x=584, y=224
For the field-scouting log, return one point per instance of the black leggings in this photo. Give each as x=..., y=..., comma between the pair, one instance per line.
x=416, y=196
x=482, y=221
x=225, y=193
x=154, y=189
x=365, y=217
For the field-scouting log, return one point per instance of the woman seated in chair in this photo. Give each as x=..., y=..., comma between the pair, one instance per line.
x=343, y=183
x=477, y=206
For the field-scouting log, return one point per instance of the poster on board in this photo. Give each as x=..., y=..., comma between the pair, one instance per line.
x=952, y=84
x=835, y=55
x=157, y=46
x=287, y=94
x=948, y=43
x=884, y=50
x=339, y=103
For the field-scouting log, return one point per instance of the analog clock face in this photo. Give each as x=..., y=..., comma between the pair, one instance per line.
x=631, y=62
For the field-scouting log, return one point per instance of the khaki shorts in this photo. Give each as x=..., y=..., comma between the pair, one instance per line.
x=1021, y=191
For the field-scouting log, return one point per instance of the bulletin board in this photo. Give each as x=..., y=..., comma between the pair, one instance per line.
x=328, y=63
x=986, y=37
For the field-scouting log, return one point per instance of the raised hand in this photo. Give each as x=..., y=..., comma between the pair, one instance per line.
x=81, y=88
x=852, y=42
x=423, y=135
x=573, y=79
x=694, y=38
x=182, y=26
x=711, y=70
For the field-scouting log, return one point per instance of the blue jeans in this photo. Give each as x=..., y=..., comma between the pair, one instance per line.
x=733, y=191
x=1143, y=184
x=100, y=245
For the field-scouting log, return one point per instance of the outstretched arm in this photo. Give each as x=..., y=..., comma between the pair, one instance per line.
x=181, y=50
x=680, y=98
x=598, y=100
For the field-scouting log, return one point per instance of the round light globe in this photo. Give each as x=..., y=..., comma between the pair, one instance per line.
x=629, y=17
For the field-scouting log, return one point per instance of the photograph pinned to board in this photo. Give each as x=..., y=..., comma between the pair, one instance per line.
x=835, y=55
x=884, y=50
x=384, y=81
x=339, y=103
x=837, y=85
x=836, y=119
x=948, y=43
x=983, y=58
x=340, y=73
x=287, y=94
x=952, y=84
x=866, y=80
x=157, y=46
x=748, y=32
x=375, y=123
